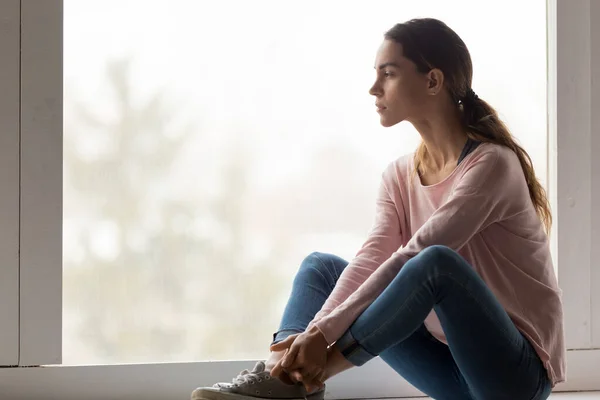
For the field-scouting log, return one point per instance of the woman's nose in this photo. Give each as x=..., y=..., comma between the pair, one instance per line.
x=374, y=91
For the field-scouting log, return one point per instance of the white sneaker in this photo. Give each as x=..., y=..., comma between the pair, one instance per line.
x=256, y=384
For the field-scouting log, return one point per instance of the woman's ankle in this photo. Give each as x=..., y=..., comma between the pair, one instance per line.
x=273, y=359
x=270, y=363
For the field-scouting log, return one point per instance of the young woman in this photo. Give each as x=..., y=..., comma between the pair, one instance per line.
x=454, y=287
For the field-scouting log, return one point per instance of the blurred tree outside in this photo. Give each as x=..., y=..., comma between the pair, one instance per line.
x=166, y=293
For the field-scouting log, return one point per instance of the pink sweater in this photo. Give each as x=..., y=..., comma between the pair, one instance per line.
x=483, y=211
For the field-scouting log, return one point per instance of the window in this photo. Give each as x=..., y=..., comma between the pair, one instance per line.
x=31, y=105
x=207, y=152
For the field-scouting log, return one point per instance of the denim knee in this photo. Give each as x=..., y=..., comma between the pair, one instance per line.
x=315, y=260
x=438, y=253
x=433, y=261
x=324, y=265
x=438, y=257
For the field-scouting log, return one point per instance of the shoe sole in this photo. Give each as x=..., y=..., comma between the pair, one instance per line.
x=210, y=395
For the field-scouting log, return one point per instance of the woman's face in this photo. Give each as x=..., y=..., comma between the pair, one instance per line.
x=400, y=90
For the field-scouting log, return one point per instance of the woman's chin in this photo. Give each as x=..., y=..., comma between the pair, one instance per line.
x=386, y=122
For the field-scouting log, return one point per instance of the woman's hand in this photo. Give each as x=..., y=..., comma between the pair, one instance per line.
x=305, y=359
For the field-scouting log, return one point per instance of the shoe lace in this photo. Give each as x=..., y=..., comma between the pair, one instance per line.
x=246, y=377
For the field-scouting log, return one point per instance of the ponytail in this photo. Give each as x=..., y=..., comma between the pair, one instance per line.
x=482, y=124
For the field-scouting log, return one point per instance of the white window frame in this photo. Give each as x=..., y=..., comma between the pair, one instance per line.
x=31, y=215
x=9, y=182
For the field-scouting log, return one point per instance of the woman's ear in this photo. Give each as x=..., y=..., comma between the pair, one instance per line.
x=435, y=81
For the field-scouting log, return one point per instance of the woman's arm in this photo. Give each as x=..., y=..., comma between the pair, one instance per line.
x=384, y=239
x=491, y=189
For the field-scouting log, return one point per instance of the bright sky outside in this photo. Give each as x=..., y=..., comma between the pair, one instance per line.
x=280, y=61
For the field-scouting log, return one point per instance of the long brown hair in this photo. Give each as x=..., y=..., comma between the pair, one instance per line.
x=430, y=43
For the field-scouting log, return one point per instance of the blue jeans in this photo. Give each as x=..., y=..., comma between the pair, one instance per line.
x=486, y=358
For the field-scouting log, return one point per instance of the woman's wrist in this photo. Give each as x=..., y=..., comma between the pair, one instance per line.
x=316, y=332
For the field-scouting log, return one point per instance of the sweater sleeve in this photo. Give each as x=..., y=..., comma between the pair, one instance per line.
x=491, y=188
x=383, y=240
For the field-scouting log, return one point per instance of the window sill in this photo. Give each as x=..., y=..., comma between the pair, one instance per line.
x=177, y=380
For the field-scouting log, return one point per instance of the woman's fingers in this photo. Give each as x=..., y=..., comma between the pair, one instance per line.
x=320, y=379
x=284, y=344
x=290, y=357
x=309, y=374
x=314, y=380
x=311, y=380
x=296, y=375
x=277, y=369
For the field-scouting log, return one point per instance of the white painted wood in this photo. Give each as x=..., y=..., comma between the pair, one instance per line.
x=9, y=181
x=41, y=219
x=41, y=182
x=583, y=373
x=175, y=381
x=595, y=130
x=551, y=121
x=574, y=160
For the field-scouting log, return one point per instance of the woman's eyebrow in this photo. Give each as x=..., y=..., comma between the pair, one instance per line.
x=388, y=64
